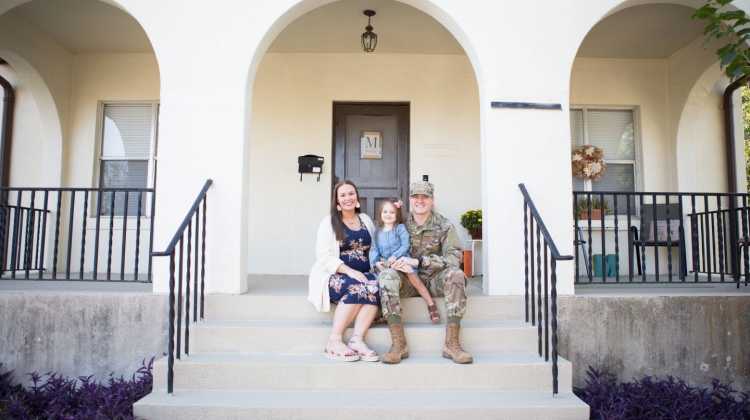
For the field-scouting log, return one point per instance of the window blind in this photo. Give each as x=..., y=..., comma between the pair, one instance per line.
x=127, y=131
x=126, y=152
x=612, y=131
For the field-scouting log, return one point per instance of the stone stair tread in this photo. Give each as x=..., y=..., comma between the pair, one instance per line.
x=234, y=371
x=269, y=306
x=416, y=400
x=437, y=360
x=327, y=324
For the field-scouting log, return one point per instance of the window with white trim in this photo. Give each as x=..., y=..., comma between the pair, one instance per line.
x=612, y=130
x=128, y=153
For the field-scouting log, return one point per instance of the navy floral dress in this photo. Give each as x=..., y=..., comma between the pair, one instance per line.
x=354, y=251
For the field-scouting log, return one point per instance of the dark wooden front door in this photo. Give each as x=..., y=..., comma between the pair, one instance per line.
x=378, y=176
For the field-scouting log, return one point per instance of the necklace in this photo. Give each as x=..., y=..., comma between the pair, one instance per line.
x=352, y=223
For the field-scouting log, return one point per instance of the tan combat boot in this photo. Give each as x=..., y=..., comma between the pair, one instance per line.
x=452, y=349
x=398, y=349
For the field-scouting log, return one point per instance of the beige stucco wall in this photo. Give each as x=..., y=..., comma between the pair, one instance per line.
x=679, y=114
x=639, y=83
x=41, y=70
x=679, y=122
x=701, y=148
x=96, y=78
x=36, y=158
x=292, y=116
x=102, y=77
x=226, y=52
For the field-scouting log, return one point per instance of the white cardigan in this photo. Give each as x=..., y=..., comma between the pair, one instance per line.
x=327, y=261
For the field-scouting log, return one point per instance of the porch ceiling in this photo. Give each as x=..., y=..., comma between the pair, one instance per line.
x=650, y=31
x=85, y=26
x=337, y=27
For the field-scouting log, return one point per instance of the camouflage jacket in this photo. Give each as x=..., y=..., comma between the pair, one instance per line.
x=435, y=244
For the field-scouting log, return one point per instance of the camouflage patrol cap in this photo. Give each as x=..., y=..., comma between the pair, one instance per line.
x=422, y=187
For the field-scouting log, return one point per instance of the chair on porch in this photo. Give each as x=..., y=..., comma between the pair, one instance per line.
x=659, y=227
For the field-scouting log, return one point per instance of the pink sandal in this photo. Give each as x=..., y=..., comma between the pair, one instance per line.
x=348, y=356
x=360, y=348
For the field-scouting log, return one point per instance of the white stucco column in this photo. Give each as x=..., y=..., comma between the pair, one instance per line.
x=201, y=137
x=530, y=147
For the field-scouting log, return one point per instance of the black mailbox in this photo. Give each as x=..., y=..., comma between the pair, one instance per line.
x=310, y=164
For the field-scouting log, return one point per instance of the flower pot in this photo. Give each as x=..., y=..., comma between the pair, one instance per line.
x=596, y=214
x=476, y=233
x=468, y=269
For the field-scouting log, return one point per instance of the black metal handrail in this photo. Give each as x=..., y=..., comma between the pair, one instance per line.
x=708, y=231
x=175, y=246
x=542, y=311
x=44, y=230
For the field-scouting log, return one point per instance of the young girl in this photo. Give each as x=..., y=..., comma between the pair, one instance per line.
x=392, y=243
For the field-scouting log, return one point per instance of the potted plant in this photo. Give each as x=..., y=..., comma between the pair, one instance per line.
x=597, y=207
x=472, y=221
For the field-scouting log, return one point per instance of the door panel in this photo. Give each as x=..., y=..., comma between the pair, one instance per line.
x=378, y=178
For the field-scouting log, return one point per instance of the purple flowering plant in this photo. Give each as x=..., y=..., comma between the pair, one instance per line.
x=52, y=396
x=656, y=399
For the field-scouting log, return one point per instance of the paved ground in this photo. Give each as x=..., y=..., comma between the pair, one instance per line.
x=297, y=285
x=662, y=288
x=60, y=286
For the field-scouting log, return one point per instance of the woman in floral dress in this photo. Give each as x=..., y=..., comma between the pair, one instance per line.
x=341, y=275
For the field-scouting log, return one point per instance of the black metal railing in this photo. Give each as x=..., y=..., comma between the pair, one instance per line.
x=96, y=234
x=541, y=303
x=176, y=251
x=666, y=237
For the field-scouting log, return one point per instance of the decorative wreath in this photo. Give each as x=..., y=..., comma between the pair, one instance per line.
x=588, y=162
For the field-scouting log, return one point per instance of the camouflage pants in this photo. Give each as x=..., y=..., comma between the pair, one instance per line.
x=449, y=283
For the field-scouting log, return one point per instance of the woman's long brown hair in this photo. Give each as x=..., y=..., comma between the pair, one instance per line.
x=336, y=223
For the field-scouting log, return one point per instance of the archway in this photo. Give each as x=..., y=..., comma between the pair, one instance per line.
x=89, y=88
x=640, y=91
x=53, y=58
x=37, y=121
x=294, y=84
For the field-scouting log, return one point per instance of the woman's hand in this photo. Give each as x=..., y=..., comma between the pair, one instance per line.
x=380, y=266
x=391, y=260
x=357, y=275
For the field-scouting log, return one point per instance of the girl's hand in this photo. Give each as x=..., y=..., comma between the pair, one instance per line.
x=391, y=260
x=413, y=262
x=402, y=266
x=380, y=266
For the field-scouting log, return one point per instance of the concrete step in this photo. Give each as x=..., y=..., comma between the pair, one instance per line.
x=504, y=372
x=289, y=307
x=300, y=337
x=333, y=405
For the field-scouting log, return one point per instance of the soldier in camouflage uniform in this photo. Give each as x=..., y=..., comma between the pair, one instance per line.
x=435, y=255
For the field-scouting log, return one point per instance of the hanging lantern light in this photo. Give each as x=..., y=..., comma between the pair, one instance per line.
x=369, y=38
